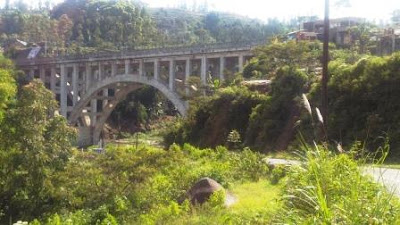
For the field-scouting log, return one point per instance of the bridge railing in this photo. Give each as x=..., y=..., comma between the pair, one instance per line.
x=144, y=51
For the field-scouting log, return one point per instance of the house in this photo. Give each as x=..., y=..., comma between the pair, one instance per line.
x=338, y=29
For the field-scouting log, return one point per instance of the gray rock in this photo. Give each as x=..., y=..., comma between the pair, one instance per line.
x=202, y=190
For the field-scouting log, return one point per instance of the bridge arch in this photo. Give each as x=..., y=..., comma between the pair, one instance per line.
x=179, y=103
x=126, y=84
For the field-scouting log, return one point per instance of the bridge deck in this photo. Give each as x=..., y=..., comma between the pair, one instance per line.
x=208, y=49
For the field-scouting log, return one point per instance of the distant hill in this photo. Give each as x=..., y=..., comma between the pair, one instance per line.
x=187, y=27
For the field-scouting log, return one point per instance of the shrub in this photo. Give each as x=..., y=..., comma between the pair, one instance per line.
x=330, y=189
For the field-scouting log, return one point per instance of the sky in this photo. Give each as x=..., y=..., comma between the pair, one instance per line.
x=378, y=10
x=285, y=9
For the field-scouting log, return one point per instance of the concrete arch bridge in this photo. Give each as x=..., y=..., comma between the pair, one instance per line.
x=89, y=87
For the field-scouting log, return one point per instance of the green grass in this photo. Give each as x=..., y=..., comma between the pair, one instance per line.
x=256, y=196
x=257, y=203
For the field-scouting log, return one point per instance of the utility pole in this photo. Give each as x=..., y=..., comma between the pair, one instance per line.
x=325, y=61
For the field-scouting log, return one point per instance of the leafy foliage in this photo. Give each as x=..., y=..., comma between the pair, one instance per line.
x=34, y=145
x=7, y=84
x=269, y=58
x=363, y=101
x=144, y=185
x=211, y=119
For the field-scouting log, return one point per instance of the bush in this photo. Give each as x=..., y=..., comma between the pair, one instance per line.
x=330, y=189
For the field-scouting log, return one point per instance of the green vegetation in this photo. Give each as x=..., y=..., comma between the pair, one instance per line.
x=363, y=101
x=225, y=136
x=81, y=27
x=330, y=189
x=7, y=84
x=34, y=145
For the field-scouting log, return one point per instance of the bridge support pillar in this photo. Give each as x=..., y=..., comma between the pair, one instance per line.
x=156, y=69
x=53, y=80
x=31, y=74
x=113, y=68
x=187, y=75
x=241, y=62
x=221, y=68
x=141, y=66
x=93, y=112
x=101, y=73
x=88, y=75
x=63, y=91
x=127, y=66
x=203, y=73
x=42, y=72
x=75, y=84
x=171, y=74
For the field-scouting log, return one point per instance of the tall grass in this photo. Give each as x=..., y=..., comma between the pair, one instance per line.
x=328, y=187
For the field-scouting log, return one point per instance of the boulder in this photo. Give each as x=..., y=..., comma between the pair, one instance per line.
x=202, y=190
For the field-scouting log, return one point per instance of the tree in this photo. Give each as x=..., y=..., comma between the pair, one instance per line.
x=362, y=35
x=34, y=144
x=7, y=84
x=268, y=59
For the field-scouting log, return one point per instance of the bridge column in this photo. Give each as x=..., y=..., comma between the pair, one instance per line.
x=127, y=66
x=93, y=112
x=42, y=72
x=75, y=84
x=63, y=91
x=141, y=65
x=105, y=94
x=172, y=74
x=31, y=74
x=88, y=74
x=53, y=79
x=113, y=68
x=187, y=75
x=221, y=68
x=101, y=73
x=203, y=70
x=240, y=65
x=156, y=69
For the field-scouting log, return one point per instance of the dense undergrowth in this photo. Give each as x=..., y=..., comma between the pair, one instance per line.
x=147, y=185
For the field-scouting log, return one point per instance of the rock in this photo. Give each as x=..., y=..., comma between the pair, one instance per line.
x=202, y=190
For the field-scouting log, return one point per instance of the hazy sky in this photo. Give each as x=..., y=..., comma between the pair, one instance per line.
x=263, y=9
x=284, y=9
